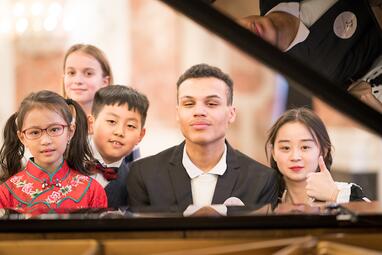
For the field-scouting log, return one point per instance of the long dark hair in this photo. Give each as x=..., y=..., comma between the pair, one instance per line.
x=316, y=128
x=78, y=154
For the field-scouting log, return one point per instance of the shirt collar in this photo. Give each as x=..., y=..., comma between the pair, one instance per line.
x=293, y=8
x=193, y=171
x=301, y=36
x=41, y=173
x=99, y=158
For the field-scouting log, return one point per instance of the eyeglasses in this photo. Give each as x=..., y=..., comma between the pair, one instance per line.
x=52, y=130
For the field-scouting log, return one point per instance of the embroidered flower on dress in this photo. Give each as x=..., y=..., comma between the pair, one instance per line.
x=27, y=188
x=35, y=193
x=78, y=179
x=54, y=197
x=66, y=189
x=15, y=179
x=20, y=184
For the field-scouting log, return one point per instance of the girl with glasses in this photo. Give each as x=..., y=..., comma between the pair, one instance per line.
x=56, y=177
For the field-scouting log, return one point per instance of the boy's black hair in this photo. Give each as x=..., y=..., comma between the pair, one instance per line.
x=120, y=95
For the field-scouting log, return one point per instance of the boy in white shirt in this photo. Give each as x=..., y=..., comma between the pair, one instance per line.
x=117, y=126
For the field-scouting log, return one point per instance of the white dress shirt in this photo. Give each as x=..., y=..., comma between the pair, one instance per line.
x=203, y=183
x=99, y=176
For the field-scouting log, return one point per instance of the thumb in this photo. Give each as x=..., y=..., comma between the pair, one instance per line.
x=321, y=165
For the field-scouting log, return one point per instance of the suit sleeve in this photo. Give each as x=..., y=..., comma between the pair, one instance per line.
x=356, y=194
x=271, y=189
x=137, y=195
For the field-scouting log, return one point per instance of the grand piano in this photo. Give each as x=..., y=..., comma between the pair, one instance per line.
x=353, y=228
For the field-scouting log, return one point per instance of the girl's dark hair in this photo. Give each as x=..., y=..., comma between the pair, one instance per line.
x=316, y=128
x=78, y=154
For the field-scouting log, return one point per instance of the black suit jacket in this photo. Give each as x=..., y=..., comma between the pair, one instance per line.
x=341, y=60
x=161, y=183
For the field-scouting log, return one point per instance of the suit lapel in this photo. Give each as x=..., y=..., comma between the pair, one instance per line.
x=227, y=181
x=180, y=180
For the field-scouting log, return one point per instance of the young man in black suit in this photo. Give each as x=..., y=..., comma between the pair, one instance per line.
x=204, y=171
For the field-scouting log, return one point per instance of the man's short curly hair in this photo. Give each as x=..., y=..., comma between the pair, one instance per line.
x=206, y=71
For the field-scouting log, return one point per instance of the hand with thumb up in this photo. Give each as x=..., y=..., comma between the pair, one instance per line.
x=320, y=185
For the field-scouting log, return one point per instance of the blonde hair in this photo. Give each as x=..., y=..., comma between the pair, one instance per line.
x=95, y=52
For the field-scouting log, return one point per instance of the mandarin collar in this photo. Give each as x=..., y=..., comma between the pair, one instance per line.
x=40, y=173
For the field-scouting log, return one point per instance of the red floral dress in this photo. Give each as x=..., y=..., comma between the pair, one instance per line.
x=35, y=190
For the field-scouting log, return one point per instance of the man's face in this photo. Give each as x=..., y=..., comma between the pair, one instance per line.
x=203, y=111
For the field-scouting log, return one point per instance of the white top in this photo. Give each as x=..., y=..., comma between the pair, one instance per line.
x=308, y=12
x=203, y=184
x=99, y=176
x=345, y=192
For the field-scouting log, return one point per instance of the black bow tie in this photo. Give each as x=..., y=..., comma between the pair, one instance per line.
x=109, y=173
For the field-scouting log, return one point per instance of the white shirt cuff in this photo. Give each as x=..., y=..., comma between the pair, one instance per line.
x=344, y=192
x=191, y=209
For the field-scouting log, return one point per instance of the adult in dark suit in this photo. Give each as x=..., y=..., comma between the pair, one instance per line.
x=338, y=38
x=204, y=171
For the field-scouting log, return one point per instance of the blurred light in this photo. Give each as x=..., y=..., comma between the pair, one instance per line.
x=50, y=23
x=19, y=9
x=55, y=9
x=36, y=26
x=37, y=8
x=21, y=25
x=68, y=24
x=5, y=27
